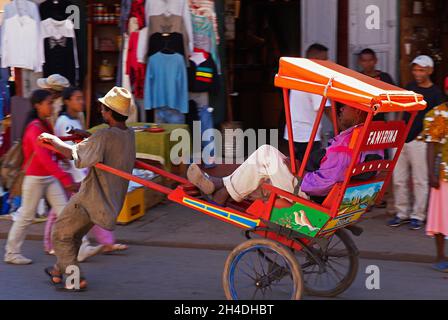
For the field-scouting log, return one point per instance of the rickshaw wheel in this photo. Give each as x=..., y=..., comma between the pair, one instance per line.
x=262, y=269
x=340, y=259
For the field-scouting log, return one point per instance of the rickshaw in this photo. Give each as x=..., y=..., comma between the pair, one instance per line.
x=294, y=245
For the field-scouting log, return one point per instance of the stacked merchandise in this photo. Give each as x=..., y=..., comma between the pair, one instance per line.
x=205, y=67
x=166, y=47
x=165, y=38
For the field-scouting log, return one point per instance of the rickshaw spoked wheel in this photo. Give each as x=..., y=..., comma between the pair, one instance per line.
x=340, y=260
x=262, y=269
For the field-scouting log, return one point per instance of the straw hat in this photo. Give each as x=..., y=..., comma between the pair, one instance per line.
x=55, y=82
x=118, y=99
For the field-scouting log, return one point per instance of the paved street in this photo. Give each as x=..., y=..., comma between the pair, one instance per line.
x=146, y=272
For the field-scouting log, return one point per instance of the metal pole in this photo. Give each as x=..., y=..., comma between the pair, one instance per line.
x=289, y=126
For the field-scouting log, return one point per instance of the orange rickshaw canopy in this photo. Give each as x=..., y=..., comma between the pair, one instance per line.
x=341, y=84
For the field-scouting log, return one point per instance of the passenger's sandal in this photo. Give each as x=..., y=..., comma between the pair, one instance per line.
x=200, y=179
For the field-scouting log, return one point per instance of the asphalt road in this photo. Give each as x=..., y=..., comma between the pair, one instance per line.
x=173, y=273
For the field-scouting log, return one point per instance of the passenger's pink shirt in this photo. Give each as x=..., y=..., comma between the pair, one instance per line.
x=333, y=166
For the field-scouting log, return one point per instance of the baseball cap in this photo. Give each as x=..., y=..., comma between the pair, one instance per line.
x=423, y=61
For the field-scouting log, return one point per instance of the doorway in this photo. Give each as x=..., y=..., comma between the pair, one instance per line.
x=383, y=40
x=265, y=31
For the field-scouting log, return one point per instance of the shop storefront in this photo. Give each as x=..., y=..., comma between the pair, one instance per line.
x=246, y=39
x=110, y=42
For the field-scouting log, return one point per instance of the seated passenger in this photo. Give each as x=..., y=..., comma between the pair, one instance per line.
x=267, y=164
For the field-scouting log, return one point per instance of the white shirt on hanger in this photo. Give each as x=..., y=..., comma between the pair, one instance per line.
x=22, y=45
x=58, y=29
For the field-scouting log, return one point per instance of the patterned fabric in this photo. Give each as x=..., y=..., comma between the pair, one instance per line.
x=138, y=11
x=204, y=37
x=202, y=77
x=435, y=129
x=204, y=74
x=206, y=8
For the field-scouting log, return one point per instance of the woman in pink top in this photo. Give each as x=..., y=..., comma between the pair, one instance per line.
x=43, y=176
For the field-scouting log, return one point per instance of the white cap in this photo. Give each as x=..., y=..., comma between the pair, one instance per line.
x=55, y=82
x=424, y=61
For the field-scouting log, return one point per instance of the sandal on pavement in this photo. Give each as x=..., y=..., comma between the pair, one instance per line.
x=82, y=287
x=55, y=276
x=56, y=279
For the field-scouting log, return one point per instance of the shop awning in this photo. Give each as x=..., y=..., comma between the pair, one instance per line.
x=344, y=85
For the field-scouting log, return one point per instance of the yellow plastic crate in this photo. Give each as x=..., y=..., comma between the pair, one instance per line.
x=133, y=207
